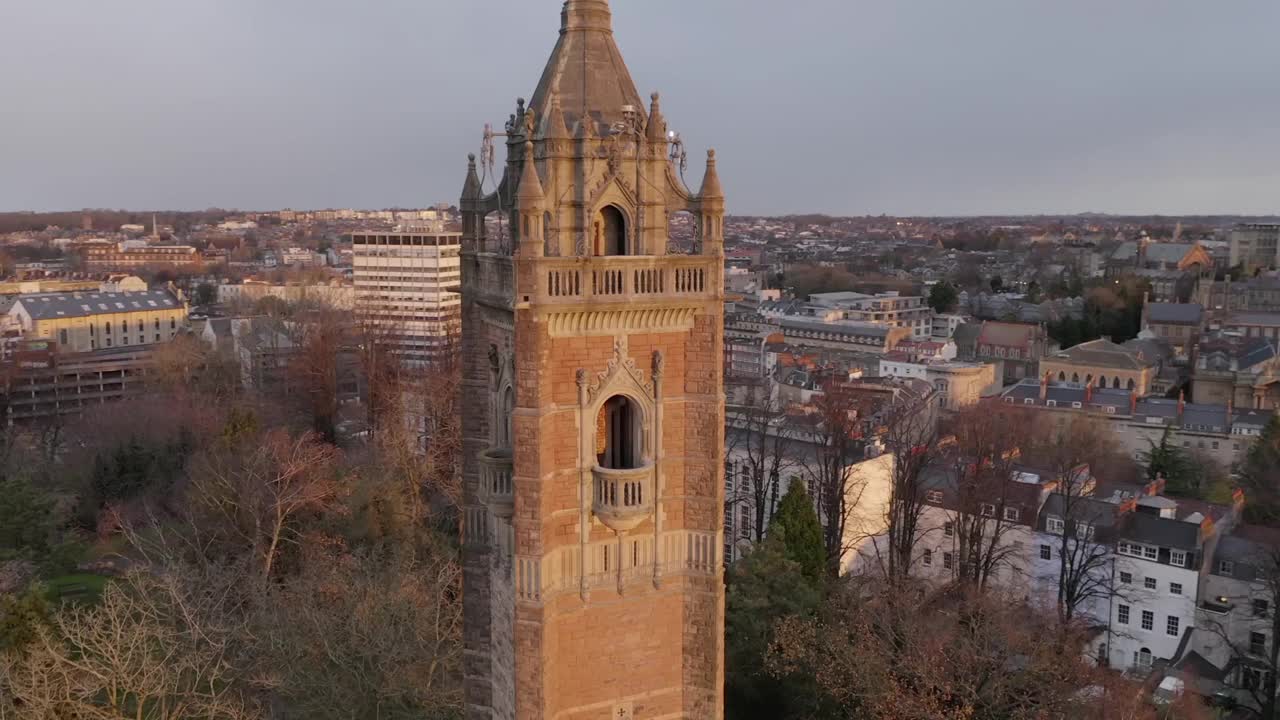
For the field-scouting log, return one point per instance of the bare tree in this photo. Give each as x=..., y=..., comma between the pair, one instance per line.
x=252, y=499
x=763, y=436
x=153, y=649
x=1079, y=521
x=1251, y=627
x=833, y=429
x=912, y=437
x=880, y=651
x=983, y=469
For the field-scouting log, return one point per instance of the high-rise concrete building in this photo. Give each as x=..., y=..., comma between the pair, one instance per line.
x=406, y=288
x=593, y=427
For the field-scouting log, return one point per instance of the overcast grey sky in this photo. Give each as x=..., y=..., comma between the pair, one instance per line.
x=839, y=106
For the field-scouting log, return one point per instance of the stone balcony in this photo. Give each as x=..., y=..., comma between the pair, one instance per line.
x=496, y=487
x=622, y=499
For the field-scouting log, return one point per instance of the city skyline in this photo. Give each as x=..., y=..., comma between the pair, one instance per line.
x=995, y=108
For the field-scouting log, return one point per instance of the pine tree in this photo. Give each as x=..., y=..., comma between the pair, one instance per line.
x=764, y=588
x=797, y=523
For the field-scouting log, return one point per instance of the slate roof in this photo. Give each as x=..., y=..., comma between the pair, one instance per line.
x=1008, y=334
x=1161, y=532
x=1174, y=313
x=1263, y=319
x=66, y=305
x=837, y=328
x=1098, y=513
x=1246, y=351
x=1102, y=353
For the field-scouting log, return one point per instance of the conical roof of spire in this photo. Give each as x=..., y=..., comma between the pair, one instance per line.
x=711, y=180
x=530, y=193
x=587, y=67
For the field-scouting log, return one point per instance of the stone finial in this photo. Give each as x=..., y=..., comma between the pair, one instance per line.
x=529, y=194
x=711, y=189
x=471, y=188
x=581, y=378
x=657, y=130
x=553, y=125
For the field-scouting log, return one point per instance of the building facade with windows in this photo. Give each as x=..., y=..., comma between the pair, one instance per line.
x=406, y=289
x=84, y=322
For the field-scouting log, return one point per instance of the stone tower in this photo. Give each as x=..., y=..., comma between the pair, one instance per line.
x=594, y=413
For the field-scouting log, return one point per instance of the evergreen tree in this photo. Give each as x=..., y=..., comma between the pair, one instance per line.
x=943, y=297
x=764, y=588
x=1261, y=477
x=1173, y=464
x=796, y=522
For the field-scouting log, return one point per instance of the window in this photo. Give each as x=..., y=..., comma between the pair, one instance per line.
x=933, y=496
x=744, y=523
x=1011, y=514
x=1150, y=553
x=1122, y=615
x=1257, y=643
x=1226, y=567
x=1260, y=608
x=1046, y=552
x=62, y=337
x=948, y=560
x=618, y=434
x=1126, y=578
x=1148, y=620
x=1085, y=530
x=927, y=559
x=1177, y=557
x=1149, y=583
x=1171, y=626
x=1175, y=588
x=1055, y=525
x=1143, y=658
x=949, y=529
x=611, y=232
x=987, y=510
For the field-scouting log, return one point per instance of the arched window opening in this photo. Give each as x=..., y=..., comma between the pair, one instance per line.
x=506, y=409
x=1102, y=381
x=1132, y=385
x=611, y=231
x=550, y=238
x=1062, y=377
x=682, y=233
x=1115, y=382
x=618, y=435
x=496, y=231
x=1075, y=377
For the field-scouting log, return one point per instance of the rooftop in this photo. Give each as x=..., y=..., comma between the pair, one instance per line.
x=63, y=305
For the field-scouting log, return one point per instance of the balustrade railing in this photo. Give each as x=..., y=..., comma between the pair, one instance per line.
x=497, y=488
x=623, y=279
x=622, y=498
